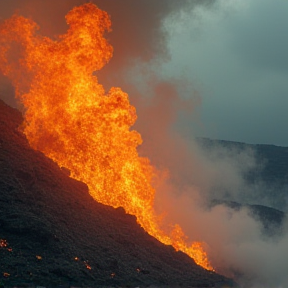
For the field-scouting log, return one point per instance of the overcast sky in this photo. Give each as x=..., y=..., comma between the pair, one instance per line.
x=233, y=53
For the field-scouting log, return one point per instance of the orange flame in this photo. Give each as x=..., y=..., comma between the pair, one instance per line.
x=71, y=119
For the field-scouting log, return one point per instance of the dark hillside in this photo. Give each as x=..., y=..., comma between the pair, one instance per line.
x=275, y=165
x=54, y=233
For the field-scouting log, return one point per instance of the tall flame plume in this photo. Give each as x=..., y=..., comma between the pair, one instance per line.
x=70, y=119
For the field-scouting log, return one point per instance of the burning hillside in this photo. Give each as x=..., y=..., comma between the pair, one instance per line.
x=52, y=232
x=70, y=118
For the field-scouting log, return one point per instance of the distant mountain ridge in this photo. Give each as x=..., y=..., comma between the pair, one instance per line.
x=272, y=172
x=274, y=158
x=270, y=218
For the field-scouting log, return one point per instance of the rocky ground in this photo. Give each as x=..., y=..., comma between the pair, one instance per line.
x=53, y=233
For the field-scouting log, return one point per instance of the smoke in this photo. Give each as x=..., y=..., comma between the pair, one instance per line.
x=197, y=175
x=237, y=243
x=200, y=173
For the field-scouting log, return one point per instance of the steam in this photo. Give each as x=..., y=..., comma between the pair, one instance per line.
x=200, y=173
x=197, y=175
x=237, y=244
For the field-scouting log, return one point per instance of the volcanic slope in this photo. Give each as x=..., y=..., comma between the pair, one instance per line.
x=54, y=233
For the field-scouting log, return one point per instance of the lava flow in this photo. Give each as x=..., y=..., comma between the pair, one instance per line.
x=70, y=119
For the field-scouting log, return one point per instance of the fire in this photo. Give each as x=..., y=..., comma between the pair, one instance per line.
x=71, y=119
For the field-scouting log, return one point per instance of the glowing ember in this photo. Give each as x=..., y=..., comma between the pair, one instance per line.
x=70, y=118
x=3, y=243
x=87, y=265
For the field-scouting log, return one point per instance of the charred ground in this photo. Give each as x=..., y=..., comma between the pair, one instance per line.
x=57, y=234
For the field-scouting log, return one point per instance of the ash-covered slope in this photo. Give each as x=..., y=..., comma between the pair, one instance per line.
x=59, y=234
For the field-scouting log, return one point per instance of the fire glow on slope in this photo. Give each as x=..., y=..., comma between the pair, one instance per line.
x=70, y=118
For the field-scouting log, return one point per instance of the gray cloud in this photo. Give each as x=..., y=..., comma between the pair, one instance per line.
x=235, y=53
x=260, y=37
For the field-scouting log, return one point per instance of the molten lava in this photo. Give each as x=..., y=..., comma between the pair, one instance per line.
x=69, y=117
